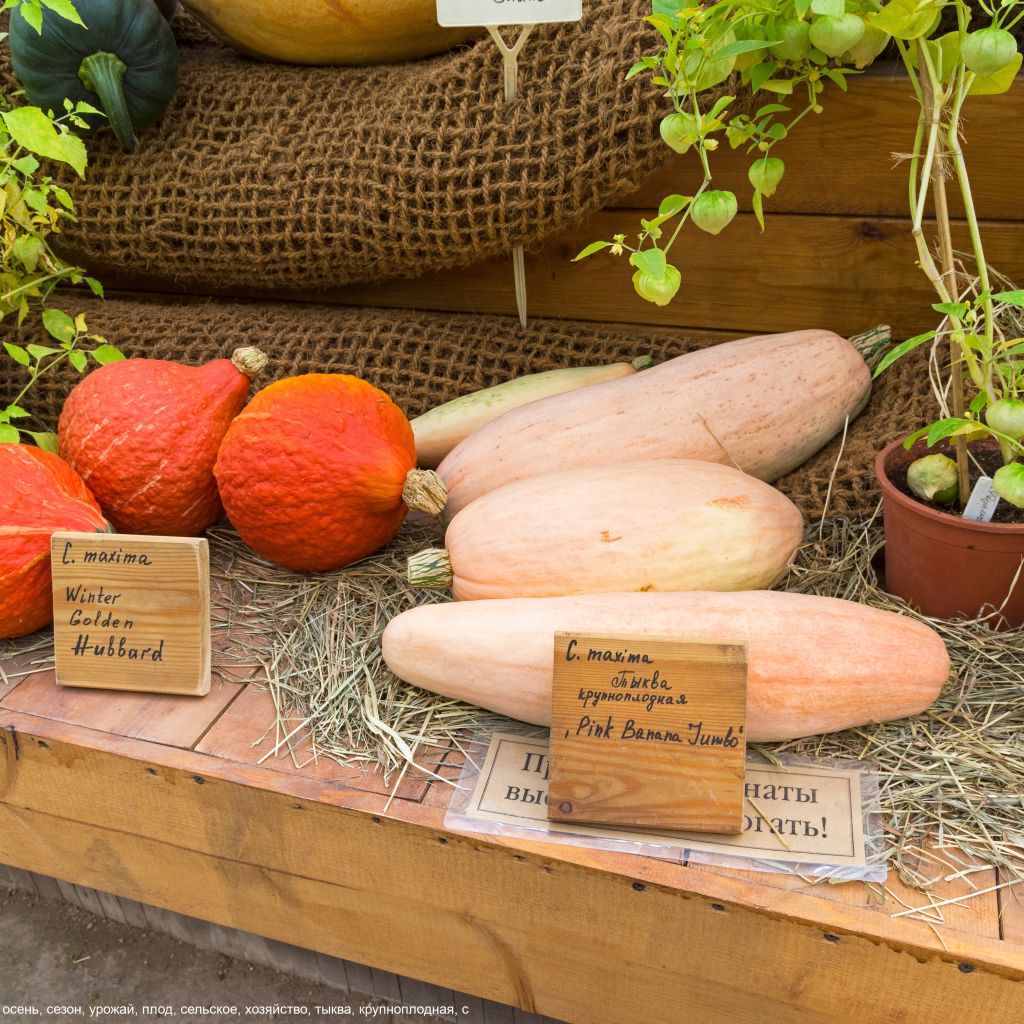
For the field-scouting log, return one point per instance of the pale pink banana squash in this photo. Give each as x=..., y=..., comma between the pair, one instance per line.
x=764, y=404
x=667, y=524
x=816, y=664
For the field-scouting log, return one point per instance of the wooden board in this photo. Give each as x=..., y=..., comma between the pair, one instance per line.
x=675, y=762
x=132, y=613
x=847, y=160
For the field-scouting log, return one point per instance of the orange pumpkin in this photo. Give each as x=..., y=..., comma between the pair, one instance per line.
x=144, y=434
x=39, y=494
x=318, y=471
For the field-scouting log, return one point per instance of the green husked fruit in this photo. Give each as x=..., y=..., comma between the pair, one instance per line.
x=1008, y=482
x=934, y=478
x=659, y=290
x=794, y=40
x=765, y=174
x=834, y=36
x=713, y=211
x=988, y=50
x=1007, y=416
x=125, y=61
x=872, y=43
x=679, y=131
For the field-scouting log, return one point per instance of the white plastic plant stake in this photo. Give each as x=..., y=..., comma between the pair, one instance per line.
x=488, y=13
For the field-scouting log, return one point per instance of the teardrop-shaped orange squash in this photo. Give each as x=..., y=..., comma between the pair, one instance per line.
x=318, y=471
x=144, y=434
x=39, y=494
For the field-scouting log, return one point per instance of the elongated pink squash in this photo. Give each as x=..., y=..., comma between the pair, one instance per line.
x=667, y=524
x=816, y=664
x=764, y=404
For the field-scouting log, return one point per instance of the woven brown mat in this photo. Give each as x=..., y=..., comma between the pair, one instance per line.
x=267, y=175
x=421, y=359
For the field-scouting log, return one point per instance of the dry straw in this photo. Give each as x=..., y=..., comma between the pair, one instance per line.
x=951, y=774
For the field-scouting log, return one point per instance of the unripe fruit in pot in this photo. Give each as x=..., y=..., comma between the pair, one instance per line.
x=713, y=211
x=834, y=36
x=39, y=495
x=659, y=290
x=988, y=50
x=793, y=40
x=934, y=478
x=679, y=131
x=144, y=434
x=1007, y=416
x=1008, y=482
x=318, y=472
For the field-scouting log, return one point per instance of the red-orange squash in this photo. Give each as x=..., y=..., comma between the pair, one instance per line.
x=318, y=472
x=144, y=435
x=39, y=494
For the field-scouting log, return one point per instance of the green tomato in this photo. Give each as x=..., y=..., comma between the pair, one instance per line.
x=873, y=42
x=1007, y=416
x=679, y=131
x=659, y=290
x=765, y=174
x=834, y=36
x=713, y=211
x=988, y=51
x=794, y=42
x=934, y=478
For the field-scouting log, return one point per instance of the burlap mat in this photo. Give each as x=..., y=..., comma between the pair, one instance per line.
x=274, y=176
x=423, y=359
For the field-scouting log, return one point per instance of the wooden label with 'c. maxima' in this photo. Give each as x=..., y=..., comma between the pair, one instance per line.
x=131, y=613
x=648, y=731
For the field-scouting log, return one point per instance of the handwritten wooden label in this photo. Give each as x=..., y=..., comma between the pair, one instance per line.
x=459, y=13
x=132, y=613
x=648, y=731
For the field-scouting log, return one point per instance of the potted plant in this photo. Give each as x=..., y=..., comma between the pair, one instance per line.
x=948, y=554
x=792, y=50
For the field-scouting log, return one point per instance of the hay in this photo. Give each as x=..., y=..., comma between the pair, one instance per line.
x=951, y=774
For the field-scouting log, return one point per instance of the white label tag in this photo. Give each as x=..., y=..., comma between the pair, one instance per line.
x=983, y=501
x=456, y=13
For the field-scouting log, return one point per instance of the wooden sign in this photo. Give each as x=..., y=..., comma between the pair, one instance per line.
x=131, y=613
x=465, y=13
x=648, y=731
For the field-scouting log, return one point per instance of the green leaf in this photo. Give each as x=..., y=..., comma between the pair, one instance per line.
x=9, y=434
x=46, y=440
x=1014, y=298
x=33, y=14
x=104, y=354
x=802, y=7
x=39, y=352
x=998, y=83
x=671, y=205
x=35, y=200
x=79, y=360
x=828, y=8
x=15, y=412
x=590, y=250
x=900, y=351
x=954, y=309
x=28, y=164
x=837, y=77
x=942, y=429
x=64, y=198
x=17, y=353
x=32, y=129
x=908, y=19
x=59, y=325
x=65, y=9
x=758, y=205
x=650, y=261
x=26, y=250
x=94, y=286
x=744, y=46
x=761, y=73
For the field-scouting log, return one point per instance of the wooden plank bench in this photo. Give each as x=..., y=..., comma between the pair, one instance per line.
x=161, y=800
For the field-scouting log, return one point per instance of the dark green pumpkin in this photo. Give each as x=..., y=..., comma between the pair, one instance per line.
x=125, y=62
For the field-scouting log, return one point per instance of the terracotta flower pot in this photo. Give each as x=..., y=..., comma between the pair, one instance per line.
x=940, y=563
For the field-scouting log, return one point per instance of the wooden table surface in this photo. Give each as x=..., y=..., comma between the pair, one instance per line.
x=173, y=801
